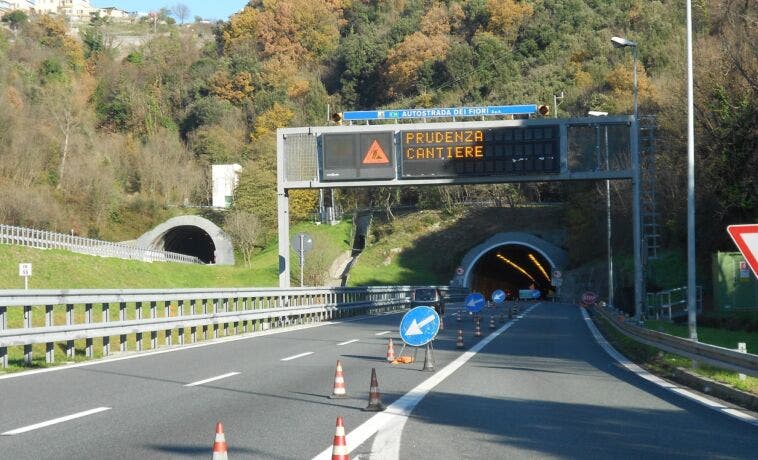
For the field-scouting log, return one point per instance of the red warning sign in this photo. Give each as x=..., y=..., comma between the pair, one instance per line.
x=375, y=155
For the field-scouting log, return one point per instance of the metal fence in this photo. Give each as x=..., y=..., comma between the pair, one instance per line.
x=43, y=239
x=672, y=302
x=136, y=318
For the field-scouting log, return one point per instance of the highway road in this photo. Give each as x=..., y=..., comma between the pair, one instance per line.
x=537, y=387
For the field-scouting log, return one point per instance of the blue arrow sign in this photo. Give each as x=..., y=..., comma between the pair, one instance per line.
x=474, y=302
x=498, y=296
x=419, y=326
x=448, y=112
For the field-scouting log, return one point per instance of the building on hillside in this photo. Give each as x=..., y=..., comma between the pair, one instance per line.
x=116, y=13
x=46, y=6
x=77, y=10
x=225, y=179
x=11, y=5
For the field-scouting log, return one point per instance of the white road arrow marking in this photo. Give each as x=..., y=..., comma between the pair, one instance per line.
x=415, y=328
x=471, y=303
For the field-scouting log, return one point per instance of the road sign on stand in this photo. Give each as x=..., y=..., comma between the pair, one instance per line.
x=498, y=296
x=474, y=302
x=746, y=239
x=419, y=326
x=589, y=298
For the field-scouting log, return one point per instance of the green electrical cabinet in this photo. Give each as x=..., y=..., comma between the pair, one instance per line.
x=735, y=287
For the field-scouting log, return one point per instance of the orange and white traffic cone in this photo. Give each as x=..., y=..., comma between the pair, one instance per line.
x=390, y=351
x=374, y=397
x=477, y=330
x=219, y=445
x=442, y=324
x=339, y=383
x=502, y=317
x=459, y=340
x=339, y=446
x=492, y=322
x=458, y=316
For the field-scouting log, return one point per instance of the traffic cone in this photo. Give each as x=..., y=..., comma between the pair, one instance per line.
x=390, y=351
x=219, y=445
x=459, y=340
x=442, y=324
x=458, y=316
x=339, y=383
x=477, y=330
x=492, y=322
x=374, y=397
x=502, y=317
x=339, y=446
x=428, y=360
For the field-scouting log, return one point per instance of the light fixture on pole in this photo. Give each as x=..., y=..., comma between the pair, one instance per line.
x=691, y=300
x=596, y=113
x=619, y=42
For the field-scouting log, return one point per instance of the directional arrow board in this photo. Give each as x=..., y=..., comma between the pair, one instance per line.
x=419, y=326
x=498, y=296
x=474, y=302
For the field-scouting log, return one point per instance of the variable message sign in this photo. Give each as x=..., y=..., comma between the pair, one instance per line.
x=479, y=152
x=356, y=156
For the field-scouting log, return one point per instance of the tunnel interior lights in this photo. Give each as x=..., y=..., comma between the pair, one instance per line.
x=512, y=264
x=539, y=266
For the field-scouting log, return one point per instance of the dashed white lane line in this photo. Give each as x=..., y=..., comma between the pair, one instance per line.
x=349, y=341
x=383, y=333
x=660, y=382
x=212, y=379
x=55, y=421
x=290, y=358
x=388, y=440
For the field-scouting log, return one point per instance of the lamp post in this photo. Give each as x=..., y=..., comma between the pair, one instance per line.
x=691, y=300
x=595, y=113
x=619, y=42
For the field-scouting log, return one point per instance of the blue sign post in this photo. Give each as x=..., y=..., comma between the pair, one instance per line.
x=498, y=296
x=419, y=326
x=474, y=302
x=447, y=112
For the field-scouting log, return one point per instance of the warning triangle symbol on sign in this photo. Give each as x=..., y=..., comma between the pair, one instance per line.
x=375, y=155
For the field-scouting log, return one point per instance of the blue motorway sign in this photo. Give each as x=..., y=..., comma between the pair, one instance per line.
x=449, y=112
x=474, y=302
x=527, y=294
x=419, y=326
x=498, y=296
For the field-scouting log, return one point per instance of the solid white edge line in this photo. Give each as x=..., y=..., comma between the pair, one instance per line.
x=402, y=408
x=54, y=421
x=383, y=333
x=212, y=379
x=634, y=368
x=347, y=342
x=290, y=358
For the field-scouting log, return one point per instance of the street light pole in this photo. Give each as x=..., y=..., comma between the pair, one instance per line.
x=691, y=300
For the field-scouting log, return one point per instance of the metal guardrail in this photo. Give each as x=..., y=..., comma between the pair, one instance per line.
x=725, y=358
x=43, y=239
x=671, y=300
x=71, y=315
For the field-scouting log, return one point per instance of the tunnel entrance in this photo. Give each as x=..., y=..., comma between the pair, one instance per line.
x=191, y=241
x=511, y=267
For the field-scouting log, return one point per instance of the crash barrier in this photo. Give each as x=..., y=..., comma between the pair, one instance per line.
x=43, y=239
x=65, y=316
x=672, y=302
x=724, y=358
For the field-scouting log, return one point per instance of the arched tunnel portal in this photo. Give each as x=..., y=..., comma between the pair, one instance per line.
x=511, y=261
x=193, y=236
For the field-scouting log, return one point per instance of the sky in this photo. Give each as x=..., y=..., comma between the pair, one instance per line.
x=216, y=9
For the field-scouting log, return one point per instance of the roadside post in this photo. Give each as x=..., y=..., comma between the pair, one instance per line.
x=25, y=270
x=742, y=348
x=302, y=243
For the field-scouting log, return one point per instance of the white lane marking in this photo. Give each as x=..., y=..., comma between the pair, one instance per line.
x=383, y=333
x=398, y=412
x=212, y=379
x=55, y=421
x=290, y=358
x=349, y=341
x=630, y=366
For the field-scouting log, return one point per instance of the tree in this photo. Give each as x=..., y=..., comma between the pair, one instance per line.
x=181, y=11
x=245, y=230
x=16, y=19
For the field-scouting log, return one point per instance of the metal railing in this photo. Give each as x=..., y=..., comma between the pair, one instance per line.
x=67, y=316
x=43, y=239
x=721, y=357
x=671, y=302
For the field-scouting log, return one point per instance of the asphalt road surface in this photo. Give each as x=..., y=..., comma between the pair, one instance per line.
x=537, y=387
